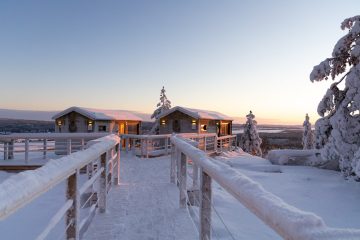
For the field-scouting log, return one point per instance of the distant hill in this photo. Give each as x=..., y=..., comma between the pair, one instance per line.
x=27, y=114
x=25, y=126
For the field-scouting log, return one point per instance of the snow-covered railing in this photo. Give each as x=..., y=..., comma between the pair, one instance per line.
x=288, y=221
x=226, y=143
x=154, y=145
x=102, y=162
x=39, y=145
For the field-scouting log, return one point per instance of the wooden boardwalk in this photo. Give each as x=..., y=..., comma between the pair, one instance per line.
x=144, y=206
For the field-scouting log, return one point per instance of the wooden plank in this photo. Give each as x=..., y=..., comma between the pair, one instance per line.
x=183, y=175
x=117, y=174
x=173, y=164
x=205, y=206
x=72, y=214
x=103, y=184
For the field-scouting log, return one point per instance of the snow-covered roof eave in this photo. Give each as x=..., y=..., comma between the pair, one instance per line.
x=195, y=113
x=107, y=114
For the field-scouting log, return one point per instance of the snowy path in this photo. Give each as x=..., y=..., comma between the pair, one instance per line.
x=144, y=206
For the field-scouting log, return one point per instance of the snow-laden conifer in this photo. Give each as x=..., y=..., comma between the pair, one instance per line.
x=162, y=106
x=338, y=131
x=250, y=141
x=307, y=139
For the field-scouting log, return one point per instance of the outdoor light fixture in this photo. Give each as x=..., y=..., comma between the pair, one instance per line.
x=193, y=122
x=162, y=122
x=59, y=123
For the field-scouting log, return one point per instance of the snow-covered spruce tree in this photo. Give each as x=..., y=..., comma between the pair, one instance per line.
x=307, y=139
x=250, y=141
x=338, y=131
x=162, y=106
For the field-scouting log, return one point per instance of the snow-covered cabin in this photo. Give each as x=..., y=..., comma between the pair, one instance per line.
x=80, y=119
x=187, y=120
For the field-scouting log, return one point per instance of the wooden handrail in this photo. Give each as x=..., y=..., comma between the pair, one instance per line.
x=19, y=190
x=288, y=221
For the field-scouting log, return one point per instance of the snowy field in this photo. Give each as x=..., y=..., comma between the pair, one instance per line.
x=322, y=192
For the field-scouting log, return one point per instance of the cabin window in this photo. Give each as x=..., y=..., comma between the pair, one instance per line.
x=224, y=130
x=102, y=128
x=193, y=124
x=203, y=127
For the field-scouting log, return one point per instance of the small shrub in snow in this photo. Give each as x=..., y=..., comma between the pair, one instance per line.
x=250, y=141
x=307, y=139
x=338, y=131
x=162, y=106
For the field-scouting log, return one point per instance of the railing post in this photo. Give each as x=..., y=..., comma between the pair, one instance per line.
x=133, y=146
x=147, y=147
x=126, y=145
x=103, y=183
x=44, y=148
x=82, y=144
x=205, y=144
x=68, y=146
x=166, y=145
x=11, y=149
x=117, y=175
x=142, y=147
x=183, y=191
x=178, y=166
x=215, y=144
x=205, y=206
x=26, y=150
x=72, y=214
x=195, y=176
x=173, y=164
x=5, y=151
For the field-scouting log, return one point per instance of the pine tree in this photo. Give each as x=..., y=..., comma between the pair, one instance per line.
x=307, y=139
x=250, y=141
x=338, y=131
x=162, y=106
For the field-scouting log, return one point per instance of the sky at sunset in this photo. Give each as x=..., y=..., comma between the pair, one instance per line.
x=227, y=56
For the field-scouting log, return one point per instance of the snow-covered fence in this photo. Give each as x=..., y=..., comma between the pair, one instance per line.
x=288, y=221
x=41, y=144
x=155, y=145
x=146, y=145
x=226, y=143
x=102, y=160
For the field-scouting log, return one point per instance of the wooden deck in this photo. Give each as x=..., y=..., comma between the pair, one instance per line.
x=144, y=206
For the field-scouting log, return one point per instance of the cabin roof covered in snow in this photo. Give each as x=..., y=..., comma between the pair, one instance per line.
x=102, y=114
x=198, y=113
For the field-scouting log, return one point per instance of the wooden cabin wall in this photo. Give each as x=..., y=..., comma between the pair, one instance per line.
x=184, y=121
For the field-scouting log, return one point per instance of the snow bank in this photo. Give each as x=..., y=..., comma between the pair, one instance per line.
x=241, y=160
x=310, y=157
x=20, y=189
x=288, y=221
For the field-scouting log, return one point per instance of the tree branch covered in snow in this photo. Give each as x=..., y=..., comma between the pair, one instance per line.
x=338, y=131
x=250, y=141
x=162, y=106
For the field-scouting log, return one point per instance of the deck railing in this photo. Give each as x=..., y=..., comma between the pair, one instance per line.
x=288, y=221
x=101, y=159
x=155, y=145
x=41, y=144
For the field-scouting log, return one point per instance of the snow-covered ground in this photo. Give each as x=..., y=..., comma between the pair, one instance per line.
x=322, y=192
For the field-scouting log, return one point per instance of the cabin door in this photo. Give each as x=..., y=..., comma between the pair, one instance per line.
x=122, y=131
x=122, y=128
